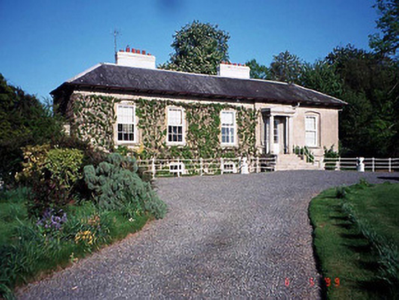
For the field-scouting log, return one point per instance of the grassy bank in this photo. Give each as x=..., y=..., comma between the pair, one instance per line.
x=32, y=247
x=356, y=239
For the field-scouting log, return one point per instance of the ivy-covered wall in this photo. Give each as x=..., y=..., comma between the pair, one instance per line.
x=202, y=133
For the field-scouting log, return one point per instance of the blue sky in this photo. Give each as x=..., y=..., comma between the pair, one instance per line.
x=45, y=42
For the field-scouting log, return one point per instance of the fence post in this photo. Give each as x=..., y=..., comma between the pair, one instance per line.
x=153, y=168
x=389, y=165
x=339, y=164
x=221, y=165
x=201, y=166
x=372, y=165
x=178, y=167
x=257, y=164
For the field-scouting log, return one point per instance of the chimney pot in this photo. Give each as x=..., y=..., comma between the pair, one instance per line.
x=133, y=50
x=143, y=52
x=127, y=49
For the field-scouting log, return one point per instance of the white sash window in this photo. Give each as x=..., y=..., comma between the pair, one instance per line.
x=175, y=125
x=227, y=119
x=126, y=123
x=311, y=131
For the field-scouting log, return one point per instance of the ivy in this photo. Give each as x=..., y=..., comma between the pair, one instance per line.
x=95, y=117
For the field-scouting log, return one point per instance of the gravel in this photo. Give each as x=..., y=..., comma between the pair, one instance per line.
x=230, y=236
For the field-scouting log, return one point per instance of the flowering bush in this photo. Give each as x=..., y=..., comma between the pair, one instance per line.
x=52, y=221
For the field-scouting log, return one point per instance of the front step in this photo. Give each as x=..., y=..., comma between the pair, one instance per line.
x=293, y=162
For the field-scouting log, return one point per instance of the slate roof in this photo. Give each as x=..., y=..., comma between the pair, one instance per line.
x=120, y=78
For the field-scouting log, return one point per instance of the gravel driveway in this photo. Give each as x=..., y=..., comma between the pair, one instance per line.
x=231, y=236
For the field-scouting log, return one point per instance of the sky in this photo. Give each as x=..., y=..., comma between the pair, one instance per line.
x=46, y=42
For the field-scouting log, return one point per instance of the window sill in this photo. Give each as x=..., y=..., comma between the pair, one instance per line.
x=126, y=143
x=175, y=144
x=229, y=145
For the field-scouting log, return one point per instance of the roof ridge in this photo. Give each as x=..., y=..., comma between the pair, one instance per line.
x=199, y=74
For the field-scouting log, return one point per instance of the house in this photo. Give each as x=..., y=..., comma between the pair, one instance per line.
x=163, y=114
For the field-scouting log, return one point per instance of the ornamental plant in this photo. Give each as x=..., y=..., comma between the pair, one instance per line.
x=52, y=221
x=115, y=184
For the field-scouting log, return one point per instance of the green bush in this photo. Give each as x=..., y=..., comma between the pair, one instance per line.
x=115, y=184
x=52, y=174
x=64, y=166
x=340, y=192
x=330, y=153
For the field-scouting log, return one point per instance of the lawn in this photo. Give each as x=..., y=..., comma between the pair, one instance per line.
x=356, y=240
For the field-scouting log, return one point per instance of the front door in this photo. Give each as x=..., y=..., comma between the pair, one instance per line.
x=279, y=138
x=279, y=135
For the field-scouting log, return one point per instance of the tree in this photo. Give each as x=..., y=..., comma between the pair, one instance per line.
x=199, y=48
x=258, y=71
x=24, y=120
x=322, y=77
x=368, y=125
x=388, y=23
x=286, y=67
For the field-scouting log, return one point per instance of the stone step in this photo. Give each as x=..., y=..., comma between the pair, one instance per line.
x=293, y=162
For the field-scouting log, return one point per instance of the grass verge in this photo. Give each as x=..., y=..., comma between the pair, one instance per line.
x=356, y=239
x=29, y=249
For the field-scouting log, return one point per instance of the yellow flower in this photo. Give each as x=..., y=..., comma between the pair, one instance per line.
x=84, y=236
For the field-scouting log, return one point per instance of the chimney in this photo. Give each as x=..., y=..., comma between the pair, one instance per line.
x=227, y=69
x=135, y=58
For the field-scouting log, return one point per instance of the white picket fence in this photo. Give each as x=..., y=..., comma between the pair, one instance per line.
x=201, y=166
x=370, y=164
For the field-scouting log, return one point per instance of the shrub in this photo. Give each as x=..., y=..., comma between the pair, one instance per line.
x=64, y=166
x=115, y=184
x=341, y=192
x=52, y=173
x=330, y=153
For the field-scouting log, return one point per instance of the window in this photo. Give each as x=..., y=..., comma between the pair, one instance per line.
x=126, y=123
x=175, y=125
x=311, y=131
x=228, y=127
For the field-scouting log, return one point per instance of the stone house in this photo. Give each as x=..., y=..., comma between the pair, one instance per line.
x=162, y=113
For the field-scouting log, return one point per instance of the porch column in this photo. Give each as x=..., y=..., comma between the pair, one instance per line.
x=290, y=134
x=271, y=134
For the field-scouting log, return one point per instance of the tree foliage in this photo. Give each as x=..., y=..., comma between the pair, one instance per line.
x=368, y=125
x=388, y=23
x=198, y=48
x=258, y=71
x=286, y=67
x=24, y=120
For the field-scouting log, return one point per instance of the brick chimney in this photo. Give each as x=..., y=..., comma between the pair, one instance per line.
x=227, y=69
x=135, y=58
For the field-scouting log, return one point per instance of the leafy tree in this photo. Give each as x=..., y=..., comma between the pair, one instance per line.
x=369, y=124
x=199, y=48
x=388, y=23
x=24, y=120
x=322, y=77
x=286, y=67
x=258, y=71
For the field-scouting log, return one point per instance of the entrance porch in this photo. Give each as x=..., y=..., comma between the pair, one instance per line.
x=277, y=133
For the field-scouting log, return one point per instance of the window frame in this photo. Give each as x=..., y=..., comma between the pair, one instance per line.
x=233, y=126
x=134, y=123
x=315, y=130
x=183, y=141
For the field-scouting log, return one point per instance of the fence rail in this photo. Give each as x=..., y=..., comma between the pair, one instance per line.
x=370, y=164
x=201, y=166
